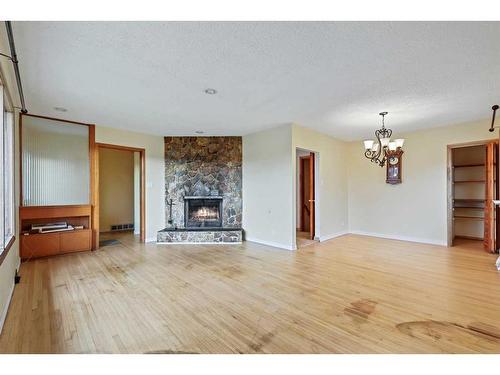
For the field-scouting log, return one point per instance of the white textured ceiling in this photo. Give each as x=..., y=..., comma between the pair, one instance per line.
x=330, y=76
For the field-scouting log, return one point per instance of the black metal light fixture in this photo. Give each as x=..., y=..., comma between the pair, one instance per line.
x=379, y=150
x=494, y=109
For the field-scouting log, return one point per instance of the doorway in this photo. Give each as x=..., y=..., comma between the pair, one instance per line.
x=120, y=202
x=306, y=198
x=472, y=189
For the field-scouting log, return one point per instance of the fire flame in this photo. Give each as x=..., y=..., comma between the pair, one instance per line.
x=204, y=213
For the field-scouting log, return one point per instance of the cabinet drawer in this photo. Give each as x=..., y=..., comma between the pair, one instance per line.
x=40, y=245
x=75, y=241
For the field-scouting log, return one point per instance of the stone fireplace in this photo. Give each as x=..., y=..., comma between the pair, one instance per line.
x=203, y=192
x=205, y=212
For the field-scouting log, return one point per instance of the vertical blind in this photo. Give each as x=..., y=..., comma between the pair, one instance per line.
x=55, y=162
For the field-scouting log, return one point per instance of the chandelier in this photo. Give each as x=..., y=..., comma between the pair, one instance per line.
x=383, y=148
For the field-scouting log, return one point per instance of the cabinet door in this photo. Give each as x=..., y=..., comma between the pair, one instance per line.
x=39, y=245
x=489, y=208
x=78, y=240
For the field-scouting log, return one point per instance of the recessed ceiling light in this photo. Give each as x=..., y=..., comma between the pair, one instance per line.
x=60, y=109
x=210, y=91
x=199, y=132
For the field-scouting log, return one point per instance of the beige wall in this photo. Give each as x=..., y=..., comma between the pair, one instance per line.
x=415, y=210
x=270, y=184
x=268, y=200
x=331, y=181
x=155, y=171
x=116, y=188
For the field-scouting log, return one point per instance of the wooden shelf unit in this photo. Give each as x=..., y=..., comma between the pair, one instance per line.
x=469, y=165
x=468, y=184
x=35, y=245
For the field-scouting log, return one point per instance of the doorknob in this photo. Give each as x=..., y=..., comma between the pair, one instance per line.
x=311, y=200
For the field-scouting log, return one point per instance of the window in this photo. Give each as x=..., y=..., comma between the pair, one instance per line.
x=7, y=219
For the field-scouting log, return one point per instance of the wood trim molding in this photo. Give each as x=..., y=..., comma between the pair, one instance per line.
x=489, y=208
x=302, y=160
x=94, y=193
x=450, y=193
x=56, y=119
x=473, y=143
x=33, y=212
x=118, y=147
x=143, y=196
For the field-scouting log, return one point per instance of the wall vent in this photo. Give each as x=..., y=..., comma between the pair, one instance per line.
x=118, y=227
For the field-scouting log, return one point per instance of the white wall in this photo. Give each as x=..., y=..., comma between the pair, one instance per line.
x=331, y=180
x=416, y=209
x=270, y=184
x=12, y=261
x=268, y=200
x=155, y=171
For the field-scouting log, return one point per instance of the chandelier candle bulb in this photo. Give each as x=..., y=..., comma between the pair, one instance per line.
x=368, y=144
x=399, y=143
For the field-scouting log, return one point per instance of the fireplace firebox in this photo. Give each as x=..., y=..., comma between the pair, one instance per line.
x=202, y=212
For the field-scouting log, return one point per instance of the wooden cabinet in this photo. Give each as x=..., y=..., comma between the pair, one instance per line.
x=75, y=241
x=36, y=245
x=39, y=245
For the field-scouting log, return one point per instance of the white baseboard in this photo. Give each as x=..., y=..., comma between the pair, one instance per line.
x=6, y=308
x=152, y=239
x=400, y=238
x=269, y=243
x=334, y=235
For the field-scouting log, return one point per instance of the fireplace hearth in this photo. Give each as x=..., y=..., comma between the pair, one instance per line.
x=202, y=212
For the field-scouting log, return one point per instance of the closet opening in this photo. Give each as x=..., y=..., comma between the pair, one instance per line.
x=472, y=189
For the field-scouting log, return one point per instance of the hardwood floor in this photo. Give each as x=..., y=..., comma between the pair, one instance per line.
x=352, y=294
x=303, y=239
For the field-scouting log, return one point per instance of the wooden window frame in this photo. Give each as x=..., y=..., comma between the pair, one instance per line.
x=6, y=245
